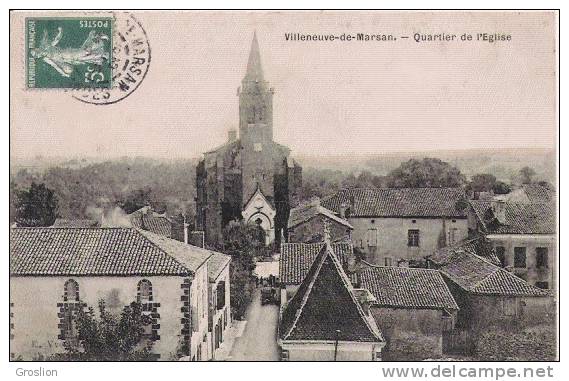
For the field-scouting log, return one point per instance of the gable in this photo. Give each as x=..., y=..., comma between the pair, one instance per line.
x=325, y=308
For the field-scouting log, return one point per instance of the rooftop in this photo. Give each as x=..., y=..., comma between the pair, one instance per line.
x=296, y=258
x=478, y=246
x=520, y=218
x=216, y=264
x=477, y=275
x=308, y=211
x=401, y=202
x=403, y=287
x=147, y=219
x=325, y=307
x=98, y=252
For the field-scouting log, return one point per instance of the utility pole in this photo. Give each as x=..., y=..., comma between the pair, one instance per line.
x=336, y=344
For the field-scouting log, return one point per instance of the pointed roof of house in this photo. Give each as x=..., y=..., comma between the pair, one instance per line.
x=254, y=68
x=325, y=307
x=477, y=275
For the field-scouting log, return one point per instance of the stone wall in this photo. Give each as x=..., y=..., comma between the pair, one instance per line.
x=391, y=237
x=411, y=334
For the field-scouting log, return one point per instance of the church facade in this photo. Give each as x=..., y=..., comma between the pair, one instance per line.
x=250, y=177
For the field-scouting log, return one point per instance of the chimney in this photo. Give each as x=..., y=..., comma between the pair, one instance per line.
x=343, y=208
x=365, y=298
x=185, y=231
x=231, y=135
x=327, y=238
x=499, y=210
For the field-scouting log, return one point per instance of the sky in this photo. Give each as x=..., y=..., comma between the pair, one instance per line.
x=331, y=98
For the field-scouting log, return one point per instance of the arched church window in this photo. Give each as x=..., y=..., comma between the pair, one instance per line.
x=71, y=291
x=144, y=291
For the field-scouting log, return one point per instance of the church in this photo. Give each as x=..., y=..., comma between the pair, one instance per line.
x=250, y=177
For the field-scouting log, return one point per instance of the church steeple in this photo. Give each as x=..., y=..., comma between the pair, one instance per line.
x=255, y=101
x=254, y=68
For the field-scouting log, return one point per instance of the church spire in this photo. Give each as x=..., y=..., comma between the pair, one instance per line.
x=254, y=69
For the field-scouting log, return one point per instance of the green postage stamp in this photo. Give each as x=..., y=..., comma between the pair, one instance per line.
x=69, y=53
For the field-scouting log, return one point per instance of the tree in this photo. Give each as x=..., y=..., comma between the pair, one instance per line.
x=244, y=242
x=36, y=206
x=501, y=188
x=526, y=175
x=136, y=199
x=110, y=337
x=426, y=173
x=483, y=182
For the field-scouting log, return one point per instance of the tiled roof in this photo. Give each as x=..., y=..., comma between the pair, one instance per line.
x=99, y=251
x=306, y=212
x=478, y=276
x=216, y=264
x=325, y=307
x=148, y=220
x=296, y=258
x=539, y=193
x=402, y=287
x=77, y=223
x=192, y=257
x=403, y=202
x=520, y=218
x=478, y=246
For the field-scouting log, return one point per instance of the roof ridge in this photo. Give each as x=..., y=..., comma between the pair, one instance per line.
x=396, y=267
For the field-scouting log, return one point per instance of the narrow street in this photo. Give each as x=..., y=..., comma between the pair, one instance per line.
x=258, y=342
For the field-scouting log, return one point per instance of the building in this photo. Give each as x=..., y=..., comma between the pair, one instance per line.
x=307, y=220
x=412, y=307
x=394, y=226
x=523, y=236
x=296, y=260
x=324, y=320
x=250, y=177
x=488, y=295
x=56, y=271
x=219, y=299
x=147, y=219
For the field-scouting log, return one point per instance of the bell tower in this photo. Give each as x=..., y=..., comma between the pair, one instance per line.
x=255, y=98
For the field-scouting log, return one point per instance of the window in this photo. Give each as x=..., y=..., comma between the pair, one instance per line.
x=144, y=291
x=501, y=255
x=388, y=261
x=372, y=237
x=452, y=236
x=413, y=237
x=258, y=147
x=541, y=257
x=68, y=313
x=543, y=285
x=220, y=295
x=71, y=291
x=447, y=323
x=520, y=257
x=509, y=306
x=284, y=355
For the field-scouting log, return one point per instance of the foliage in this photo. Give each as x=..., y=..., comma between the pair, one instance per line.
x=110, y=337
x=531, y=344
x=164, y=184
x=136, y=200
x=36, y=206
x=426, y=173
x=244, y=242
x=501, y=187
x=483, y=182
x=526, y=175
